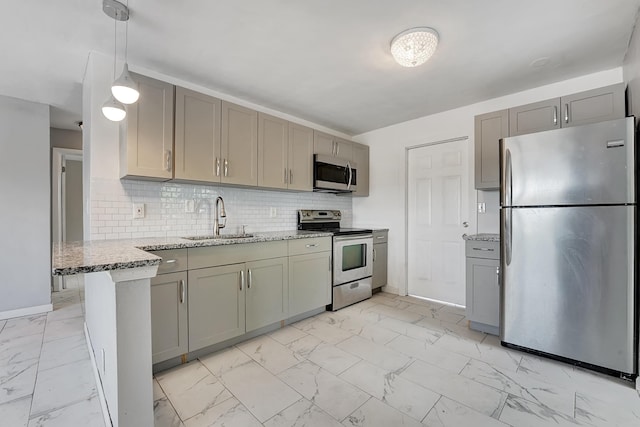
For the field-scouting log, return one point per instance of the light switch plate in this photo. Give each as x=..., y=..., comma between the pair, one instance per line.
x=482, y=207
x=138, y=210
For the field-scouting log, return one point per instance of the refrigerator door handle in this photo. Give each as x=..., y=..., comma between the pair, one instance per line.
x=507, y=178
x=507, y=236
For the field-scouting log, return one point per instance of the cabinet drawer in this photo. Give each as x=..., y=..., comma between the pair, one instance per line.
x=309, y=246
x=173, y=260
x=481, y=249
x=232, y=254
x=380, y=236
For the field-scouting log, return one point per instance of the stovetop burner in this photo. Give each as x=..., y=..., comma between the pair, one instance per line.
x=326, y=220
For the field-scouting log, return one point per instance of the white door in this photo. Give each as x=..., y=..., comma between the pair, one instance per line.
x=438, y=197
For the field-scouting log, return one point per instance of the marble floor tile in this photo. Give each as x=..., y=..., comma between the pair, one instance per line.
x=392, y=302
x=158, y=393
x=449, y=413
x=460, y=311
x=495, y=356
x=406, y=396
x=330, y=393
x=165, y=415
x=364, y=329
x=63, y=351
x=543, y=393
x=410, y=330
x=320, y=329
x=17, y=380
x=302, y=414
x=225, y=360
x=2, y=323
x=262, y=393
x=306, y=345
x=430, y=313
x=192, y=389
x=21, y=326
x=379, y=355
x=480, y=397
x=16, y=412
x=85, y=413
x=523, y=413
x=420, y=301
x=374, y=413
x=287, y=335
x=599, y=412
x=61, y=386
x=66, y=312
x=429, y=353
x=64, y=328
x=332, y=358
x=20, y=349
x=270, y=354
x=396, y=313
x=448, y=328
x=230, y=413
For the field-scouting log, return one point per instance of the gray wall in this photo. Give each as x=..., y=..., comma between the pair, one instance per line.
x=631, y=71
x=25, y=249
x=64, y=138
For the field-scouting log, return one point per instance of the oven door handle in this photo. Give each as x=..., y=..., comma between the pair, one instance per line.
x=343, y=238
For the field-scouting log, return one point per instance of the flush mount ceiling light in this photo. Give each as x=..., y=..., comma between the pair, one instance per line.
x=414, y=46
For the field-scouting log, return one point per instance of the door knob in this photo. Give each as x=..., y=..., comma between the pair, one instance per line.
x=465, y=224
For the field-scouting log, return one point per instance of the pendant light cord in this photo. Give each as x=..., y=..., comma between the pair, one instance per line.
x=126, y=34
x=115, y=44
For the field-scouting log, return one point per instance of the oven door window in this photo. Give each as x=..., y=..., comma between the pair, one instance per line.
x=331, y=173
x=354, y=256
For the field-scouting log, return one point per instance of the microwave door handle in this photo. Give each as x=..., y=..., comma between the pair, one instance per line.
x=350, y=176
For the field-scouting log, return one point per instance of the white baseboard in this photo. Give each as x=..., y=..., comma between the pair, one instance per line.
x=101, y=398
x=28, y=311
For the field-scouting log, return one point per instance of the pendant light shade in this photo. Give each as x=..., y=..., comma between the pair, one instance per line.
x=113, y=110
x=415, y=46
x=125, y=89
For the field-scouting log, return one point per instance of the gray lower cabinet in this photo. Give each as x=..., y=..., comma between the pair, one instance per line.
x=380, y=258
x=309, y=282
x=267, y=295
x=483, y=286
x=216, y=305
x=169, y=329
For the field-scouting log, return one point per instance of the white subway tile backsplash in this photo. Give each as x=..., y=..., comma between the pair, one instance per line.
x=165, y=215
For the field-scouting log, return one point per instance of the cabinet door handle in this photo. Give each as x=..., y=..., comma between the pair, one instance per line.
x=250, y=280
x=374, y=254
x=182, y=291
x=334, y=150
x=170, y=261
x=379, y=237
x=167, y=160
x=483, y=249
x=555, y=115
x=226, y=167
x=290, y=176
x=313, y=245
x=337, y=149
x=285, y=175
x=566, y=113
x=217, y=166
x=241, y=279
x=329, y=264
x=498, y=275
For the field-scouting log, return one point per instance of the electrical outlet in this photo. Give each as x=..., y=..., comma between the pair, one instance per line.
x=190, y=206
x=273, y=212
x=138, y=210
x=482, y=207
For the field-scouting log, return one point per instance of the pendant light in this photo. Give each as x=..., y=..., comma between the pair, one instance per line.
x=125, y=89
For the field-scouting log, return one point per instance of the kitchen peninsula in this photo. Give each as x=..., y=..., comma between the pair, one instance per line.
x=118, y=324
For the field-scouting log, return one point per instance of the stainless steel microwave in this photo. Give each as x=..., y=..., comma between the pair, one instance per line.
x=333, y=174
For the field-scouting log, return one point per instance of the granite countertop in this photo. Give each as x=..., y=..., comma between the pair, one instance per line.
x=105, y=255
x=483, y=237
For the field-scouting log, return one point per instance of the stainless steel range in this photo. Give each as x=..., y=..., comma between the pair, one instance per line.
x=352, y=256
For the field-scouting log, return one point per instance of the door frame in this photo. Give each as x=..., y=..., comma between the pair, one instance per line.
x=59, y=157
x=472, y=218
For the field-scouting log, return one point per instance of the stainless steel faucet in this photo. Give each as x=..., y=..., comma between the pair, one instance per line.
x=216, y=220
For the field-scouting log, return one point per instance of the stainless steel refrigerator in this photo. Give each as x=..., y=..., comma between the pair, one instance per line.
x=568, y=245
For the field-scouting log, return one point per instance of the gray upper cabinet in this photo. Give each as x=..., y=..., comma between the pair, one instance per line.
x=285, y=154
x=239, y=145
x=344, y=148
x=596, y=105
x=361, y=160
x=146, y=136
x=273, y=151
x=489, y=128
x=197, y=137
x=323, y=143
x=536, y=117
x=300, y=159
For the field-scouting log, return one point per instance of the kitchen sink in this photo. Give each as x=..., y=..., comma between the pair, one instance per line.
x=222, y=236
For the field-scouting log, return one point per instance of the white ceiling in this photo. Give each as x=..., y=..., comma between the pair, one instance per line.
x=325, y=61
